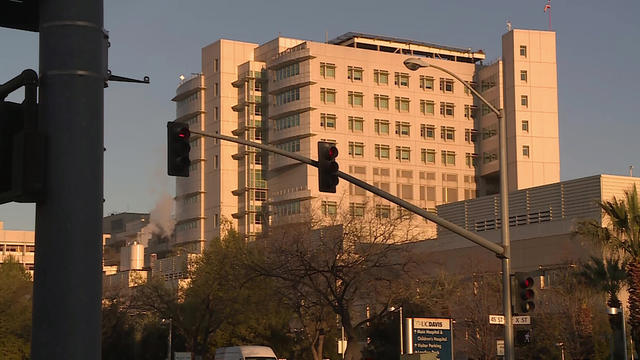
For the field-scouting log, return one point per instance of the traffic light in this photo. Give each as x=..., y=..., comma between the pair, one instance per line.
x=178, y=148
x=22, y=146
x=327, y=167
x=524, y=293
x=523, y=337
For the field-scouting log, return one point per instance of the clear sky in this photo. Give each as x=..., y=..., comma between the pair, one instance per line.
x=597, y=49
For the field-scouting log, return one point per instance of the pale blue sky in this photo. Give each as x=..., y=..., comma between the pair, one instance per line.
x=598, y=76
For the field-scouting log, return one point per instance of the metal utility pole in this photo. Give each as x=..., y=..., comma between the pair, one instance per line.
x=505, y=253
x=68, y=274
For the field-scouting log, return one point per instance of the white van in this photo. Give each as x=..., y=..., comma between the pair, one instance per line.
x=245, y=353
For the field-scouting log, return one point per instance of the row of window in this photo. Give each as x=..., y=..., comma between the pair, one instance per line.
x=288, y=71
x=381, y=77
x=381, y=127
x=287, y=96
x=402, y=104
x=17, y=248
x=403, y=153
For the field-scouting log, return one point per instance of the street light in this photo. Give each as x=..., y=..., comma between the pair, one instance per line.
x=393, y=309
x=170, y=321
x=414, y=64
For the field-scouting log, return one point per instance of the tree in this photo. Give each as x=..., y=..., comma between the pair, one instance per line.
x=16, y=291
x=621, y=233
x=224, y=303
x=352, y=269
x=606, y=275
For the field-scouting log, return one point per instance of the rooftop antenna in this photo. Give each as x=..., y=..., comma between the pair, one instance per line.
x=631, y=170
x=547, y=7
x=326, y=37
x=509, y=27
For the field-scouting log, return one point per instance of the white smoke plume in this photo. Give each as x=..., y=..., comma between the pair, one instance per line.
x=161, y=221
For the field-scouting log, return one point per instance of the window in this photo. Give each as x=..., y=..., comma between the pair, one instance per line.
x=356, y=123
x=356, y=149
x=288, y=71
x=489, y=131
x=382, y=151
x=259, y=195
x=524, y=100
x=328, y=121
x=426, y=82
x=428, y=156
x=216, y=89
x=257, y=134
x=525, y=151
x=446, y=85
x=356, y=209
x=525, y=125
x=383, y=211
x=427, y=131
x=289, y=208
x=257, y=109
x=447, y=133
x=403, y=128
x=354, y=73
x=356, y=99
x=523, y=75
x=488, y=83
x=402, y=104
x=403, y=153
x=257, y=158
x=327, y=70
x=288, y=122
x=523, y=50
x=215, y=65
x=328, y=96
x=401, y=79
x=288, y=96
x=381, y=102
x=427, y=107
x=470, y=135
x=449, y=194
x=405, y=191
x=381, y=77
x=470, y=111
x=290, y=146
x=470, y=160
x=448, y=158
x=256, y=179
x=446, y=109
x=381, y=127
x=488, y=157
x=257, y=85
x=329, y=208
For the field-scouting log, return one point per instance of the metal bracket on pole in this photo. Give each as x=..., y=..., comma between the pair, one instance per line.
x=111, y=77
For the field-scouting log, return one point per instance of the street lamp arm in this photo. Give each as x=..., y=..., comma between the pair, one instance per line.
x=416, y=63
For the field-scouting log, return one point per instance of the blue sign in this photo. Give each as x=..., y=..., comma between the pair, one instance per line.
x=432, y=335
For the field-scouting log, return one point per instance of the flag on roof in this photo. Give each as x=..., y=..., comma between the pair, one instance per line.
x=547, y=6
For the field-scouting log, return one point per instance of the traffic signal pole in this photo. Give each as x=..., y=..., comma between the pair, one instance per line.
x=68, y=273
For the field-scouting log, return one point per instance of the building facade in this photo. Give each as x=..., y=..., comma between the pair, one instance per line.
x=418, y=135
x=19, y=245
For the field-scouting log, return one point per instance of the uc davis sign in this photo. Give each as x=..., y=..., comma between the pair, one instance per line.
x=430, y=335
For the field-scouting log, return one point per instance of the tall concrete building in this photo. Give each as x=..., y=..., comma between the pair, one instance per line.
x=419, y=135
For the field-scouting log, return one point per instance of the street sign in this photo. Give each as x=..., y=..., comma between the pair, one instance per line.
x=431, y=335
x=515, y=320
x=500, y=347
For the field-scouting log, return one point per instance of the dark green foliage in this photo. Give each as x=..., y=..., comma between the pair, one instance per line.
x=16, y=291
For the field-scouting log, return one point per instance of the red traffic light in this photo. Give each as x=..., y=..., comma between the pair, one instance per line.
x=527, y=282
x=333, y=152
x=184, y=133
